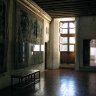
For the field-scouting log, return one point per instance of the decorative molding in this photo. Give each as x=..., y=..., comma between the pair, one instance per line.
x=35, y=9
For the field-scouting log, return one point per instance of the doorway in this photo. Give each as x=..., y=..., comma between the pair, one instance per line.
x=89, y=52
x=93, y=52
x=67, y=43
x=45, y=55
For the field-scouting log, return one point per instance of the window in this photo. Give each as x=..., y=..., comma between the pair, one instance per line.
x=63, y=40
x=71, y=25
x=36, y=48
x=72, y=31
x=71, y=48
x=71, y=40
x=63, y=31
x=67, y=36
x=63, y=47
x=42, y=47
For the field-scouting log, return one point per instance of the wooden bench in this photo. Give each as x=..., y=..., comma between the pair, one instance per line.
x=25, y=78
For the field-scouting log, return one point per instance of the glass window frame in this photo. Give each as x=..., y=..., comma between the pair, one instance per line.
x=68, y=35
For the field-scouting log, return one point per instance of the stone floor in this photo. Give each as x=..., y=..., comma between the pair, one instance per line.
x=63, y=82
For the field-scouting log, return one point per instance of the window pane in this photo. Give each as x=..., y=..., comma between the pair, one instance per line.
x=63, y=40
x=71, y=31
x=71, y=48
x=72, y=40
x=36, y=48
x=71, y=25
x=42, y=47
x=65, y=25
x=63, y=31
x=63, y=47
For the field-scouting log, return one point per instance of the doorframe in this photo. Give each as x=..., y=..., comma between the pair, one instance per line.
x=46, y=44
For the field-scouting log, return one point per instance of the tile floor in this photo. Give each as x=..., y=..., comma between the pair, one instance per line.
x=63, y=82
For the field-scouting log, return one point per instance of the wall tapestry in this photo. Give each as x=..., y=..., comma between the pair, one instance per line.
x=28, y=30
x=3, y=35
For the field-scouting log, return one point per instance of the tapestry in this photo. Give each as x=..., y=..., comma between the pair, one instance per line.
x=29, y=29
x=3, y=35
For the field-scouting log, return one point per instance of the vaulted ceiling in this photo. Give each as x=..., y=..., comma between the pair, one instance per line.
x=67, y=8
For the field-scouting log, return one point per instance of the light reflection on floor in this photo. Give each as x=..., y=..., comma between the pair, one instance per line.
x=67, y=87
x=60, y=83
